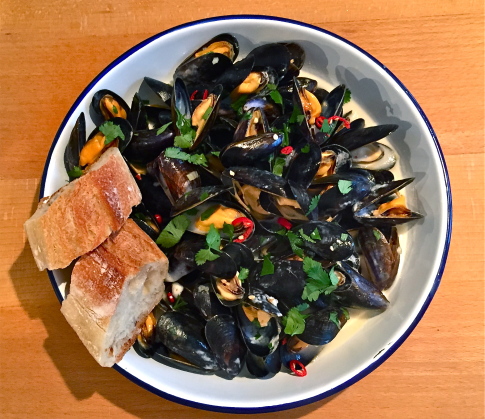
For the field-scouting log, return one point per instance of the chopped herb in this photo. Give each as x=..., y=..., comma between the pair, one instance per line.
x=191, y=211
x=276, y=96
x=313, y=203
x=344, y=186
x=183, y=124
x=239, y=103
x=213, y=238
x=279, y=165
x=243, y=274
x=302, y=307
x=295, y=243
x=75, y=172
x=315, y=235
x=204, y=195
x=344, y=236
x=318, y=280
x=300, y=118
x=228, y=229
x=256, y=322
x=176, y=153
x=173, y=231
x=184, y=140
x=294, y=322
x=271, y=86
x=207, y=113
x=326, y=127
x=334, y=318
x=246, y=116
x=295, y=115
x=305, y=149
x=347, y=96
x=270, y=346
x=115, y=110
x=345, y=312
x=111, y=132
x=286, y=135
x=203, y=255
x=207, y=213
x=268, y=267
x=377, y=234
x=305, y=237
x=163, y=128
x=179, y=303
x=215, y=153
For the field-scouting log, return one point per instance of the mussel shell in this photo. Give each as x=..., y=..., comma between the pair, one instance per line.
x=358, y=292
x=248, y=121
x=382, y=191
x=222, y=334
x=183, y=335
x=146, y=144
x=75, y=144
x=240, y=254
x=206, y=301
x=205, y=68
x=125, y=127
x=163, y=91
x=223, y=37
x=196, y=197
x=381, y=256
x=95, y=111
x=304, y=355
x=355, y=138
x=335, y=244
x=262, y=301
x=270, y=109
x=319, y=329
x=273, y=55
x=251, y=150
x=153, y=196
x=235, y=75
x=220, y=135
x=297, y=59
x=304, y=166
x=176, y=177
x=260, y=340
x=135, y=111
x=261, y=367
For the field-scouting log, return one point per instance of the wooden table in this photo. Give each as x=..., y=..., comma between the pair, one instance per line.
x=49, y=51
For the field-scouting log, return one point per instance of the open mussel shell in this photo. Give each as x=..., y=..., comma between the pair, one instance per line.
x=380, y=255
x=273, y=55
x=296, y=350
x=224, y=43
x=305, y=165
x=357, y=291
x=358, y=137
x=259, y=329
x=183, y=335
x=240, y=254
x=156, y=92
x=177, y=177
x=223, y=336
x=148, y=143
x=374, y=156
x=153, y=196
x=320, y=329
x=262, y=367
x=308, y=106
x=251, y=151
x=262, y=301
x=229, y=290
x=253, y=123
x=125, y=127
x=195, y=197
x=206, y=301
x=75, y=144
x=142, y=217
x=334, y=159
x=107, y=105
x=203, y=69
x=235, y=75
x=297, y=59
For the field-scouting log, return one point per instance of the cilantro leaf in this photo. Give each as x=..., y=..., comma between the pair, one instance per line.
x=279, y=165
x=333, y=317
x=228, y=229
x=184, y=140
x=344, y=186
x=111, y=132
x=207, y=213
x=345, y=312
x=268, y=267
x=163, y=128
x=115, y=110
x=347, y=96
x=305, y=149
x=215, y=153
x=184, y=124
x=198, y=159
x=75, y=172
x=316, y=234
x=207, y=112
x=176, y=153
x=294, y=322
x=271, y=86
x=239, y=102
x=302, y=306
x=300, y=118
x=256, y=323
x=326, y=127
x=204, y=195
x=173, y=231
x=203, y=255
x=344, y=236
x=313, y=203
x=375, y=232
x=305, y=237
x=213, y=238
x=295, y=115
x=276, y=96
x=318, y=282
x=243, y=274
x=295, y=243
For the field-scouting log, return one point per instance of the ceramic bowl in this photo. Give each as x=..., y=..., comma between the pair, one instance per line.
x=366, y=341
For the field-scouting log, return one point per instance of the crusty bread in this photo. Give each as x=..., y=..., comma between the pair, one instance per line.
x=113, y=289
x=81, y=215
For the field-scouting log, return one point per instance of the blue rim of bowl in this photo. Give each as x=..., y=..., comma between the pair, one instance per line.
x=396, y=344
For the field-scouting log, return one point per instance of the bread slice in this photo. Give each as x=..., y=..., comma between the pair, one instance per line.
x=113, y=289
x=81, y=215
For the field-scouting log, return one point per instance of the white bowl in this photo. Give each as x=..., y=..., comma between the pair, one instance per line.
x=366, y=341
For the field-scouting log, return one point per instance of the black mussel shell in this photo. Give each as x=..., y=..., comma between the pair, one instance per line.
x=223, y=37
x=252, y=124
x=240, y=254
x=148, y=143
x=163, y=90
x=153, y=196
x=297, y=59
x=358, y=137
x=275, y=55
x=75, y=145
x=322, y=326
x=305, y=354
x=305, y=165
x=261, y=367
x=125, y=127
x=196, y=197
x=100, y=113
x=235, y=75
x=206, y=301
x=205, y=68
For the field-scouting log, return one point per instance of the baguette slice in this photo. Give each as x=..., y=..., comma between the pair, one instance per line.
x=113, y=289
x=81, y=215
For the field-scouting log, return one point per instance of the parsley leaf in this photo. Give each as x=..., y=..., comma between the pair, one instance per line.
x=313, y=203
x=377, y=233
x=239, y=102
x=276, y=96
x=163, y=128
x=326, y=127
x=176, y=153
x=344, y=236
x=305, y=237
x=204, y=195
x=295, y=243
x=75, y=172
x=207, y=112
x=316, y=234
x=179, y=303
x=115, y=110
x=213, y=238
x=184, y=124
x=294, y=322
x=296, y=116
x=207, y=213
x=215, y=153
x=228, y=229
x=184, y=140
x=243, y=274
x=203, y=255
x=334, y=318
x=347, y=96
x=345, y=312
x=279, y=165
x=305, y=149
x=344, y=186
x=268, y=267
x=111, y=132
x=173, y=231
x=318, y=281
x=271, y=86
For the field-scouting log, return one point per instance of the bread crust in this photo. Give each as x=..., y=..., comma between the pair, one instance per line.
x=81, y=215
x=128, y=266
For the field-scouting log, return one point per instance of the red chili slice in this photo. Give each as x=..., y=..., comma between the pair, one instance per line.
x=194, y=93
x=247, y=225
x=159, y=218
x=138, y=176
x=206, y=93
x=171, y=298
x=319, y=121
x=298, y=368
x=283, y=222
x=287, y=150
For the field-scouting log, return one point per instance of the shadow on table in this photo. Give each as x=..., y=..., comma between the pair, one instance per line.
x=82, y=375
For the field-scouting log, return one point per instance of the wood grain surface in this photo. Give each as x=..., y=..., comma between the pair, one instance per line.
x=50, y=50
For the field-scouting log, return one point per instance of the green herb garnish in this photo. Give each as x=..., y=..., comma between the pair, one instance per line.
x=111, y=132
x=344, y=236
x=268, y=267
x=163, y=128
x=276, y=96
x=204, y=195
x=333, y=317
x=228, y=230
x=243, y=274
x=377, y=234
x=75, y=172
x=239, y=103
x=213, y=242
x=176, y=153
x=344, y=186
x=294, y=321
x=305, y=149
x=347, y=96
x=315, y=235
x=295, y=242
x=173, y=231
x=207, y=213
x=207, y=113
x=319, y=281
x=187, y=133
x=305, y=237
x=115, y=110
x=313, y=203
x=326, y=127
x=279, y=165
x=179, y=303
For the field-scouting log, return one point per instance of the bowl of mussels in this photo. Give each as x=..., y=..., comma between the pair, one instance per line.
x=298, y=191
